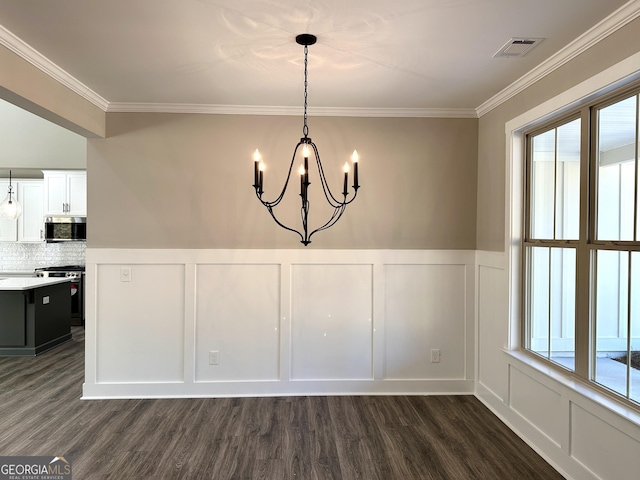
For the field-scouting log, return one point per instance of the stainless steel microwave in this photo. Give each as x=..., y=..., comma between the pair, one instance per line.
x=65, y=229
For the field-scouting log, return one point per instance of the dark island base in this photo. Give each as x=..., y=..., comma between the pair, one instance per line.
x=33, y=321
x=33, y=351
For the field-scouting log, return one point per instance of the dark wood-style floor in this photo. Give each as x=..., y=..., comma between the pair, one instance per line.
x=378, y=437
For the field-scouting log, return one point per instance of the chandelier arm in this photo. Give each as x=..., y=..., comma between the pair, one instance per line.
x=270, y=210
x=328, y=194
x=335, y=203
x=337, y=213
x=275, y=202
x=355, y=194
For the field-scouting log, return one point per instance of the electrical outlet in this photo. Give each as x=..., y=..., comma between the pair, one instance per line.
x=214, y=357
x=125, y=274
x=435, y=355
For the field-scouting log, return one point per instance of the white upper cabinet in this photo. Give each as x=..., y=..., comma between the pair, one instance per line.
x=77, y=193
x=31, y=222
x=65, y=192
x=28, y=227
x=55, y=192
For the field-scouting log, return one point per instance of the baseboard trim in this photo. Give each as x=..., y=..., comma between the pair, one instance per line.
x=101, y=391
x=566, y=465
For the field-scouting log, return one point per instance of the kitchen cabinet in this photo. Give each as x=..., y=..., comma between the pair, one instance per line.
x=31, y=222
x=28, y=227
x=65, y=192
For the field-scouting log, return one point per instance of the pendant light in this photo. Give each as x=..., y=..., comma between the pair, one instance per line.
x=10, y=208
x=309, y=151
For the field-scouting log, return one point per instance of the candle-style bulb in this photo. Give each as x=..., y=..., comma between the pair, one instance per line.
x=262, y=166
x=305, y=151
x=256, y=156
x=354, y=156
x=301, y=170
x=346, y=167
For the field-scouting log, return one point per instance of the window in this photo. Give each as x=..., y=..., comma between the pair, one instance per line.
x=581, y=243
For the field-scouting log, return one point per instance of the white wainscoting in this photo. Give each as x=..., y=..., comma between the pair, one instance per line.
x=412, y=294
x=156, y=314
x=584, y=435
x=237, y=315
x=280, y=322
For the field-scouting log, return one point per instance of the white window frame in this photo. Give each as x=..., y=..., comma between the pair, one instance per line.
x=557, y=243
x=615, y=77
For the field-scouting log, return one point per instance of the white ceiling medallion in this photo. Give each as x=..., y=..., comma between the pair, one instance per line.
x=517, y=47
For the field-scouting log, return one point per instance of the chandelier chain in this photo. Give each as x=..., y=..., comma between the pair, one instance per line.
x=305, y=128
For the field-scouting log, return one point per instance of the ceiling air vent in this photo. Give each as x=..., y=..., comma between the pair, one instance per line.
x=517, y=47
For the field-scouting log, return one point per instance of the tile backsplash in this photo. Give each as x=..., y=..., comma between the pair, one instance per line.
x=16, y=257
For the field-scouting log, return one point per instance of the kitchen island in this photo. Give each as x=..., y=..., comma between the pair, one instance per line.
x=35, y=314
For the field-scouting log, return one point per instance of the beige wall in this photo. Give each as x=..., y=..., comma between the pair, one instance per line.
x=184, y=181
x=491, y=136
x=427, y=203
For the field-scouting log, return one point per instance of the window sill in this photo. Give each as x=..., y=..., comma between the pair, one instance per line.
x=600, y=396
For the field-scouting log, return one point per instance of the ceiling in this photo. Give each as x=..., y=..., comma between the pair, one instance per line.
x=370, y=54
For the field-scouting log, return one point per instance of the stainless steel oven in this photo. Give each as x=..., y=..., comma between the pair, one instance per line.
x=76, y=274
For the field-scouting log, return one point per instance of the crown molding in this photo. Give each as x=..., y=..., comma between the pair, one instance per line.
x=618, y=19
x=291, y=111
x=35, y=58
x=625, y=14
x=132, y=107
x=26, y=52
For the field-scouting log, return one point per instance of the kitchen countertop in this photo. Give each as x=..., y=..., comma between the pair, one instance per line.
x=28, y=283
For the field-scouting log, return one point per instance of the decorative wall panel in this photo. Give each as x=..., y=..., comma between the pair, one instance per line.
x=536, y=402
x=424, y=310
x=602, y=448
x=140, y=323
x=237, y=316
x=331, y=322
x=493, y=328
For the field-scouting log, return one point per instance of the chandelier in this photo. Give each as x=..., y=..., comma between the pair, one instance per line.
x=10, y=208
x=307, y=148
